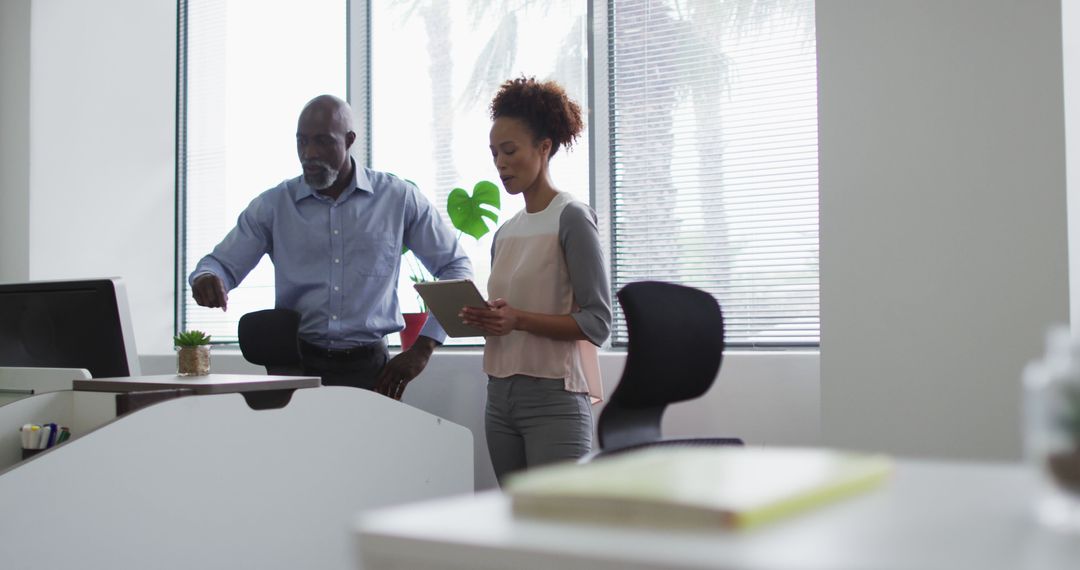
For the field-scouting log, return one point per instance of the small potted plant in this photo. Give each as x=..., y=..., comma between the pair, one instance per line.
x=467, y=213
x=193, y=353
x=413, y=321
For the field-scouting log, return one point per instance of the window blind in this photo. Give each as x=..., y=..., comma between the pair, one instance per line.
x=713, y=142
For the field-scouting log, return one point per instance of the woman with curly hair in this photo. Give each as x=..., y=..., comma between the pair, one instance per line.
x=550, y=302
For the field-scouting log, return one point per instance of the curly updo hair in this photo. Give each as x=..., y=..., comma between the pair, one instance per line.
x=543, y=106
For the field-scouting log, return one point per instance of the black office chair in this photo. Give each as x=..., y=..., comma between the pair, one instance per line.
x=676, y=344
x=271, y=338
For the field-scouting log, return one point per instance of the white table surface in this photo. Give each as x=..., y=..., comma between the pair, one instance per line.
x=929, y=515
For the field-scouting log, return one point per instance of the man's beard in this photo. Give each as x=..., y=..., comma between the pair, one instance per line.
x=324, y=178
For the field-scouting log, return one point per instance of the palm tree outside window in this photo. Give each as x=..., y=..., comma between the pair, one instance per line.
x=713, y=119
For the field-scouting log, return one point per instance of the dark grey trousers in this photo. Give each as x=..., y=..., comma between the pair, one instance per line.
x=532, y=421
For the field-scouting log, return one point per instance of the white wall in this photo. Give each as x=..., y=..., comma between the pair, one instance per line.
x=1070, y=34
x=943, y=227
x=102, y=111
x=14, y=140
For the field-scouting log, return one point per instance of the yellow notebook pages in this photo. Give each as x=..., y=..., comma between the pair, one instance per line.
x=726, y=487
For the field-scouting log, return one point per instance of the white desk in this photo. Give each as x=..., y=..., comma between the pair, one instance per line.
x=930, y=515
x=17, y=382
x=209, y=384
x=205, y=481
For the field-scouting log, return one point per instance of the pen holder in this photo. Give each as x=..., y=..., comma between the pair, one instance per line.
x=28, y=453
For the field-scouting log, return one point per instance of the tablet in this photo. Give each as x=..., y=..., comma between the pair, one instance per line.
x=445, y=300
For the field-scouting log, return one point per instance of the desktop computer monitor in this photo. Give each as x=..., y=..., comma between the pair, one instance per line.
x=68, y=324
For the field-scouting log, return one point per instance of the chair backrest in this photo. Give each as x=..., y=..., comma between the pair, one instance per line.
x=676, y=344
x=270, y=338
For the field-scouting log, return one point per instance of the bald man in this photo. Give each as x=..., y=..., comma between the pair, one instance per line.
x=335, y=236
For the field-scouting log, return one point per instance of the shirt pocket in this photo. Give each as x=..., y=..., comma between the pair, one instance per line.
x=375, y=254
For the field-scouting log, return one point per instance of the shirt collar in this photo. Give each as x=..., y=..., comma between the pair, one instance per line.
x=360, y=182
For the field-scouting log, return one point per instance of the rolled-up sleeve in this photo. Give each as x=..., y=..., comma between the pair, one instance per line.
x=585, y=262
x=434, y=244
x=240, y=251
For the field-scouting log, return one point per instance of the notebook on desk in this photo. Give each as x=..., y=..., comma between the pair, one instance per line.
x=734, y=488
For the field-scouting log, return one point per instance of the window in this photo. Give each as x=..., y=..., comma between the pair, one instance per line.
x=702, y=164
x=246, y=69
x=713, y=172
x=435, y=65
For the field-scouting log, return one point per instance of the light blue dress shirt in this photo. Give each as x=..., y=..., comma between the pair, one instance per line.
x=337, y=262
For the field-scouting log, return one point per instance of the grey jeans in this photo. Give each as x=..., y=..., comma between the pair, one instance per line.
x=532, y=421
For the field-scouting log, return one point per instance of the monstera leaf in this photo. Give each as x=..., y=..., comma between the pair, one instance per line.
x=467, y=213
